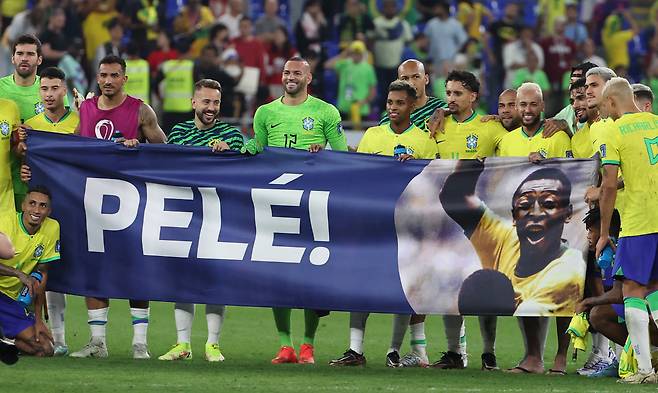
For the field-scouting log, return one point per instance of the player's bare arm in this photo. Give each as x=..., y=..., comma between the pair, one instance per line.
x=613, y=296
x=607, y=205
x=148, y=125
x=553, y=126
x=458, y=195
x=7, y=251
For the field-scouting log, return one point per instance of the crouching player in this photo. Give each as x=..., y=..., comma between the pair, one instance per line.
x=35, y=237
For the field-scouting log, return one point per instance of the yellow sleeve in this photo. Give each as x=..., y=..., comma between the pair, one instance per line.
x=489, y=238
x=430, y=150
x=560, y=146
x=609, y=141
x=365, y=144
x=498, y=132
x=51, y=246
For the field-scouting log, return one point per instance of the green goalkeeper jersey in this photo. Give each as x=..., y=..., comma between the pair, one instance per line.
x=299, y=126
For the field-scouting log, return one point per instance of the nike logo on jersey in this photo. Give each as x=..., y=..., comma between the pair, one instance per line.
x=275, y=125
x=437, y=142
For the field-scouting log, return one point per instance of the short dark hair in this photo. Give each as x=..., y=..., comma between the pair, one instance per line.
x=549, y=173
x=467, y=79
x=642, y=92
x=41, y=190
x=405, y=86
x=27, y=39
x=577, y=84
x=114, y=59
x=112, y=23
x=53, y=73
x=584, y=67
x=215, y=30
x=593, y=218
x=209, y=84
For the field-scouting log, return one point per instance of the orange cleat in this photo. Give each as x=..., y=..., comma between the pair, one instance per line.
x=285, y=355
x=306, y=354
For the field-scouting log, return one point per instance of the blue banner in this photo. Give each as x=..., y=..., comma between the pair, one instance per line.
x=329, y=231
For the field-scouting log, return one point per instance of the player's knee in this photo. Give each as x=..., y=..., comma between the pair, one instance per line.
x=598, y=317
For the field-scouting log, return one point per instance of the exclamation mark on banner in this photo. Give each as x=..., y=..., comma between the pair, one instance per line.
x=318, y=211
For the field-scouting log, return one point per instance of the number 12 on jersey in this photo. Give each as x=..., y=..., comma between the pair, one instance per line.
x=290, y=140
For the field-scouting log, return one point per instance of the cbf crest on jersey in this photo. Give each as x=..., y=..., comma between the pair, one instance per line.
x=39, y=108
x=308, y=123
x=38, y=252
x=5, y=130
x=472, y=142
x=603, y=150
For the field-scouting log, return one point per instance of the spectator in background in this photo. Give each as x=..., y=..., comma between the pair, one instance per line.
x=94, y=29
x=251, y=50
x=615, y=40
x=269, y=22
x=515, y=54
x=652, y=81
x=162, y=53
x=532, y=73
x=114, y=46
x=311, y=29
x=279, y=50
x=499, y=33
x=232, y=18
x=392, y=34
x=192, y=17
x=316, y=87
x=471, y=14
x=54, y=43
x=354, y=23
x=219, y=37
x=419, y=47
x=141, y=20
x=9, y=9
x=29, y=21
x=549, y=10
x=589, y=51
x=446, y=36
x=357, y=82
x=561, y=52
x=71, y=66
x=574, y=29
x=210, y=66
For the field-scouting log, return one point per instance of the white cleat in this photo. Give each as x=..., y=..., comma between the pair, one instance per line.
x=94, y=349
x=640, y=378
x=140, y=351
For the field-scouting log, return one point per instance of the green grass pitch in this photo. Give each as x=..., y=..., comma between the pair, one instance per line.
x=249, y=341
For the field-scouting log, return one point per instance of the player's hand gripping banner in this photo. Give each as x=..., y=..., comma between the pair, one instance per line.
x=332, y=231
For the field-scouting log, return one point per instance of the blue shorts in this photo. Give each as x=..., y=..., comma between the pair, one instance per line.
x=638, y=257
x=13, y=316
x=619, y=310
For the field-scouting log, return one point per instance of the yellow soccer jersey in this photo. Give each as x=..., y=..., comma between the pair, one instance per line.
x=470, y=138
x=633, y=145
x=66, y=125
x=600, y=131
x=581, y=143
x=553, y=291
x=42, y=247
x=9, y=120
x=383, y=140
x=518, y=144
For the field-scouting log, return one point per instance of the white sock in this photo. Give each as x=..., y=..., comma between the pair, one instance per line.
x=418, y=341
x=455, y=333
x=214, y=318
x=357, y=330
x=140, y=318
x=97, y=320
x=618, y=350
x=400, y=323
x=637, y=322
x=488, y=333
x=184, y=315
x=600, y=344
x=56, y=307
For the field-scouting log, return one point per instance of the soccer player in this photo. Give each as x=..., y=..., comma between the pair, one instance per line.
x=300, y=121
x=643, y=97
x=204, y=130
x=566, y=117
x=581, y=143
x=402, y=139
x=36, y=238
x=22, y=87
x=114, y=115
x=508, y=114
x=56, y=117
x=465, y=136
x=632, y=146
x=528, y=137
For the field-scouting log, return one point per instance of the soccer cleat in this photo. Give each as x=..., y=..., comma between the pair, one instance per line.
x=349, y=358
x=285, y=355
x=450, y=360
x=141, y=351
x=94, y=349
x=180, y=351
x=594, y=367
x=612, y=370
x=639, y=378
x=60, y=350
x=393, y=359
x=306, y=354
x=213, y=354
x=413, y=360
x=489, y=362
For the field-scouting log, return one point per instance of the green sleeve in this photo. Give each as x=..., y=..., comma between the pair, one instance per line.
x=566, y=114
x=333, y=130
x=340, y=65
x=372, y=77
x=260, y=128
